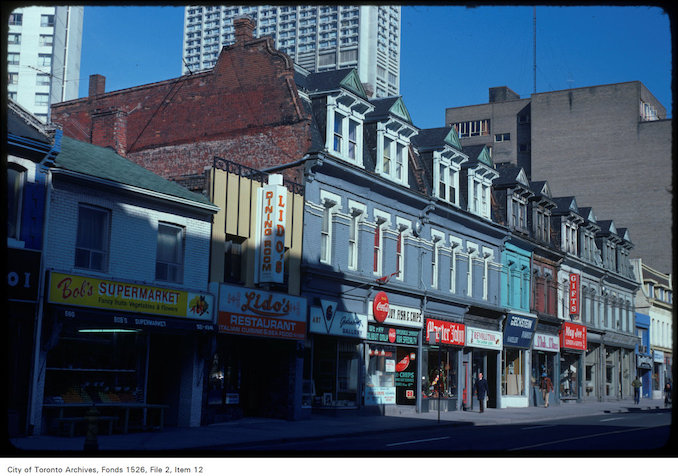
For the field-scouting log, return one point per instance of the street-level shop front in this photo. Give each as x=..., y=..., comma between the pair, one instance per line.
x=257, y=363
x=23, y=273
x=392, y=353
x=545, y=363
x=572, y=354
x=337, y=336
x=518, y=332
x=482, y=353
x=132, y=350
x=440, y=382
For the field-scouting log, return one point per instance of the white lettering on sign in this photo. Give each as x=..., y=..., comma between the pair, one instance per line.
x=521, y=322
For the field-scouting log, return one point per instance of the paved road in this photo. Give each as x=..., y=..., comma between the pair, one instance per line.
x=615, y=433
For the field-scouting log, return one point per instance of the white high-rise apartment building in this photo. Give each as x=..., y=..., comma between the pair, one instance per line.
x=318, y=38
x=43, y=56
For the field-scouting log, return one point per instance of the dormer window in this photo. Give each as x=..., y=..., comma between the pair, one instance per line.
x=345, y=129
x=569, y=240
x=446, y=176
x=479, y=187
x=392, y=157
x=518, y=212
x=542, y=225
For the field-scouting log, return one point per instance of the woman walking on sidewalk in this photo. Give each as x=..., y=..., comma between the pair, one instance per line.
x=546, y=388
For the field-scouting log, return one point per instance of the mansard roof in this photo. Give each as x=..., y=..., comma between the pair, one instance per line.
x=478, y=155
x=589, y=217
x=437, y=138
x=510, y=174
x=327, y=81
x=565, y=205
x=607, y=226
x=387, y=107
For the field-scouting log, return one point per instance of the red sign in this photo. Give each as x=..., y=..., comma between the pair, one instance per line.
x=574, y=294
x=573, y=336
x=448, y=332
x=380, y=307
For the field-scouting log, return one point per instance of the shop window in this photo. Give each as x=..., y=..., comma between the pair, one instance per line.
x=170, y=254
x=440, y=378
x=91, y=249
x=568, y=385
x=380, y=375
x=513, y=375
x=336, y=373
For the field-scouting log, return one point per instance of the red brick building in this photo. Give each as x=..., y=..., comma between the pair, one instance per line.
x=246, y=110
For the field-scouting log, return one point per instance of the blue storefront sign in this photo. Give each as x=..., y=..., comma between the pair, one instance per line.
x=518, y=331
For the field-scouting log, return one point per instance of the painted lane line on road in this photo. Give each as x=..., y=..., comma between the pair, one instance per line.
x=610, y=419
x=418, y=441
x=536, y=427
x=584, y=437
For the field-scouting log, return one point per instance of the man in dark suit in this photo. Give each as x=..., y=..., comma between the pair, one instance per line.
x=481, y=390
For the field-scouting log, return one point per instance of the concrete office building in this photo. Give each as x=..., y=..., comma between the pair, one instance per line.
x=43, y=56
x=319, y=38
x=557, y=136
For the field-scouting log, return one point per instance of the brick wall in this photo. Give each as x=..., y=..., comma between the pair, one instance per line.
x=246, y=109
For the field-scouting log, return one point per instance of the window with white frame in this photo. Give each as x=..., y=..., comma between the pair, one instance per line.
x=437, y=238
x=570, y=237
x=392, y=157
x=381, y=220
x=91, y=247
x=518, y=212
x=345, y=132
x=403, y=227
x=329, y=203
x=169, y=264
x=357, y=211
x=446, y=177
x=455, y=244
x=472, y=252
x=480, y=195
x=488, y=255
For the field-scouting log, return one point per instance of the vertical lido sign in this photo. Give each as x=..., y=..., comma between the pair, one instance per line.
x=272, y=219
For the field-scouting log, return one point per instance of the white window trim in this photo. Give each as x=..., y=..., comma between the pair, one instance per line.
x=382, y=134
x=484, y=185
x=488, y=255
x=357, y=212
x=404, y=228
x=471, y=252
x=332, y=107
x=437, y=240
x=382, y=221
x=451, y=178
x=455, y=245
x=330, y=202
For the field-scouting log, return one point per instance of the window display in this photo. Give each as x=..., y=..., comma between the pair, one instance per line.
x=513, y=374
x=440, y=378
x=380, y=375
x=568, y=376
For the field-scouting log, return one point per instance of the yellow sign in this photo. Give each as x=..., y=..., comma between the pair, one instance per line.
x=73, y=290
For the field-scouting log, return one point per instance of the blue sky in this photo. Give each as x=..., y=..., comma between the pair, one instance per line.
x=450, y=55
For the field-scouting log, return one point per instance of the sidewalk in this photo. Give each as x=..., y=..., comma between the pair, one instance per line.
x=262, y=430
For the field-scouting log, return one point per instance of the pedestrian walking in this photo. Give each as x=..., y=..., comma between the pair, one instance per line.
x=636, y=390
x=546, y=386
x=481, y=391
x=667, y=393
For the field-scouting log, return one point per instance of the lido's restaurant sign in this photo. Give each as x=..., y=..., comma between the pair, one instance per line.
x=85, y=291
x=272, y=216
x=256, y=312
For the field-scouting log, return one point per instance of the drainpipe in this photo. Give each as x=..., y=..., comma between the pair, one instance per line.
x=35, y=407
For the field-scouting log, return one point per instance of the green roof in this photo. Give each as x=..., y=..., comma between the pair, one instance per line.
x=105, y=163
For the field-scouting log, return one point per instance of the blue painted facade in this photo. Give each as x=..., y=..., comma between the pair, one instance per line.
x=644, y=356
x=515, y=286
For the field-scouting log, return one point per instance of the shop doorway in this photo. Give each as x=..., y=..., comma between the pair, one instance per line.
x=485, y=361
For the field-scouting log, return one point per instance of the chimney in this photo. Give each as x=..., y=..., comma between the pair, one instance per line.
x=244, y=28
x=97, y=85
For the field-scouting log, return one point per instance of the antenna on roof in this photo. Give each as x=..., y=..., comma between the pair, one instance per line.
x=186, y=64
